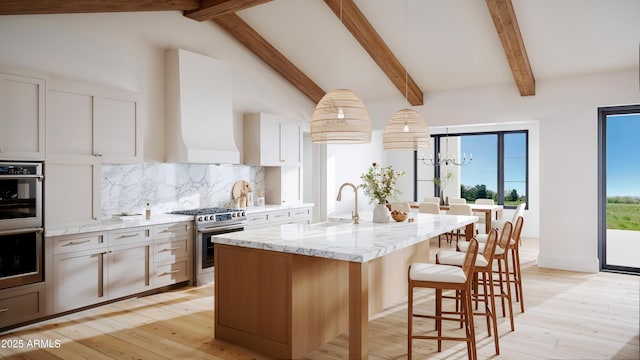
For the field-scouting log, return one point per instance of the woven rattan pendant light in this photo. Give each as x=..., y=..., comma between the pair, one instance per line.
x=406, y=129
x=340, y=117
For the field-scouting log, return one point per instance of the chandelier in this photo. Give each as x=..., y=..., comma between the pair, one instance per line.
x=447, y=159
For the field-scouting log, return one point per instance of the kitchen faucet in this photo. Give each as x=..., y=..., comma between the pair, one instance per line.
x=354, y=215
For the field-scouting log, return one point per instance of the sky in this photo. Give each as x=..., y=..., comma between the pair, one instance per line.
x=623, y=155
x=483, y=169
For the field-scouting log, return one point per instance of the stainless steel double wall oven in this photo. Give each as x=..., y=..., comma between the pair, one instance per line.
x=21, y=223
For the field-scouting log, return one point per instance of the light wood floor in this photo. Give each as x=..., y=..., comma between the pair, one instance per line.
x=568, y=316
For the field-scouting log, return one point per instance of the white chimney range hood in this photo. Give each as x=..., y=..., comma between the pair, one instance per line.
x=198, y=108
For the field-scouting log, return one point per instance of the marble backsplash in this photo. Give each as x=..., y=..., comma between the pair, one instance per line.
x=169, y=187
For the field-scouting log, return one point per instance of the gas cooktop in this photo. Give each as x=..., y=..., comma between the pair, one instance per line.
x=214, y=215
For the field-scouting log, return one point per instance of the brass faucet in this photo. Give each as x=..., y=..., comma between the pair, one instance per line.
x=354, y=215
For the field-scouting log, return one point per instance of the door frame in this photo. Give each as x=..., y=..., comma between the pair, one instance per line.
x=603, y=112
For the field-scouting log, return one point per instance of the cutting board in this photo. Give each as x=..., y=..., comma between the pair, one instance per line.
x=240, y=188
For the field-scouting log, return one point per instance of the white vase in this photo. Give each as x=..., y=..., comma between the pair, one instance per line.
x=381, y=214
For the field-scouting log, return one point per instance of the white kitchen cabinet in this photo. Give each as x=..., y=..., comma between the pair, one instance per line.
x=22, y=116
x=85, y=120
x=262, y=218
x=173, y=254
x=21, y=304
x=283, y=185
x=72, y=191
x=129, y=269
x=272, y=141
x=89, y=268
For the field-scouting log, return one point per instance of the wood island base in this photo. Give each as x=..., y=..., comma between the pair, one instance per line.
x=286, y=305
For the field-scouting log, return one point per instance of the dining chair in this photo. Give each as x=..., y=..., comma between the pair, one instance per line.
x=431, y=208
x=457, y=201
x=440, y=278
x=458, y=209
x=401, y=206
x=431, y=199
x=485, y=202
x=483, y=276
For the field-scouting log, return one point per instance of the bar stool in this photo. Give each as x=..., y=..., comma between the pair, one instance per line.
x=483, y=272
x=515, y=258
x=504, y=276
x=445, y=277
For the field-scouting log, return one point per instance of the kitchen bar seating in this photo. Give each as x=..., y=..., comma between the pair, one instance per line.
x=445, y=277
x=483, y=277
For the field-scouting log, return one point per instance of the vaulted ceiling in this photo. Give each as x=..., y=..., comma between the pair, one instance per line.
x=365, y=45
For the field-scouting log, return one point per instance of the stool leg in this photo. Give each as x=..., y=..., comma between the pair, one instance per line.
x=506, y=270
x=492, y=297
x=439, y=317
x=410, y=321
x=517, y=270
x=470, y=328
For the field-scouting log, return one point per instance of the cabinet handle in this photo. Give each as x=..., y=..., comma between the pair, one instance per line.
x=4, y=310
x=71, y=243
x=128, y=236
x=97, y=155
x=169, y=272
x=170, y=249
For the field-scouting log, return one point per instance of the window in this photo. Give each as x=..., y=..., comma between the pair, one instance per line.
x=498, y=169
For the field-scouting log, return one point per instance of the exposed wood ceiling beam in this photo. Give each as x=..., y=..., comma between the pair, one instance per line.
x=246, y=35
x=368, y=37
x=504, y=19
x=23, y=7
x=212, y=8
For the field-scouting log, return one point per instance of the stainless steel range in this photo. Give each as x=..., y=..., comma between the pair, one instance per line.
x=210, y=222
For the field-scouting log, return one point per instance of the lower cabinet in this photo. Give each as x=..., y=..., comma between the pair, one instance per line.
x=90, y=268
x=22, y=304
x=294, y=215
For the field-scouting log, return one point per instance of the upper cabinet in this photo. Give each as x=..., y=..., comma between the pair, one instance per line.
x=272, y=141
x=22, y=116
x=85, y=120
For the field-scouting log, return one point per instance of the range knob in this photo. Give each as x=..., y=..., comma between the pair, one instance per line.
x=233, y=214
x=200, y=218
x=242, y=214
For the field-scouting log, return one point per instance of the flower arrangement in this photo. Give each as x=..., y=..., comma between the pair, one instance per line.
x=379, y=183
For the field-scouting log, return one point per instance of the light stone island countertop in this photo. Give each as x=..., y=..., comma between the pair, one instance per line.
x=346, y=241
x=113, y=223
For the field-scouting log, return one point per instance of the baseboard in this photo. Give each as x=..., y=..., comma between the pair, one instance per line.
x=570, y=263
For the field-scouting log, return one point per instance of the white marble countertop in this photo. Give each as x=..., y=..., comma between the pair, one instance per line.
x=113, y=223
x=259, y=209
x=346, y=241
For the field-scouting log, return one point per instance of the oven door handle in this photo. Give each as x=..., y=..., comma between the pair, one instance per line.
x=226, y=227
x=21, y=231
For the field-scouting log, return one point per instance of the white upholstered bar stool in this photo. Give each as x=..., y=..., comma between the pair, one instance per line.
x=445, y=277
x=481, y=216
x=515, y=259
x=504, y=275
x=484, y=276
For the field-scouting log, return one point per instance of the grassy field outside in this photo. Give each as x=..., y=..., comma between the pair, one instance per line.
x=623, y=216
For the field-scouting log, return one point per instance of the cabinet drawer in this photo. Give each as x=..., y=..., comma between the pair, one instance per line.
x=171, y=273
x=257, y=220
x=278, y=216
x=300, y=213
x=131, y=235
x=21, y=305
x=170, y=231
x=79, y=242
x=171, y=250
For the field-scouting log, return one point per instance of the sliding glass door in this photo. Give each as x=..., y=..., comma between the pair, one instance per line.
x=619, y=188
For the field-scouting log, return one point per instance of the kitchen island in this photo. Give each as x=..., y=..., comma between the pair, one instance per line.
x=285, y=290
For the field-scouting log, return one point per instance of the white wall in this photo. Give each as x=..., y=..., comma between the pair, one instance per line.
x=562, y=119
x=126, y=50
